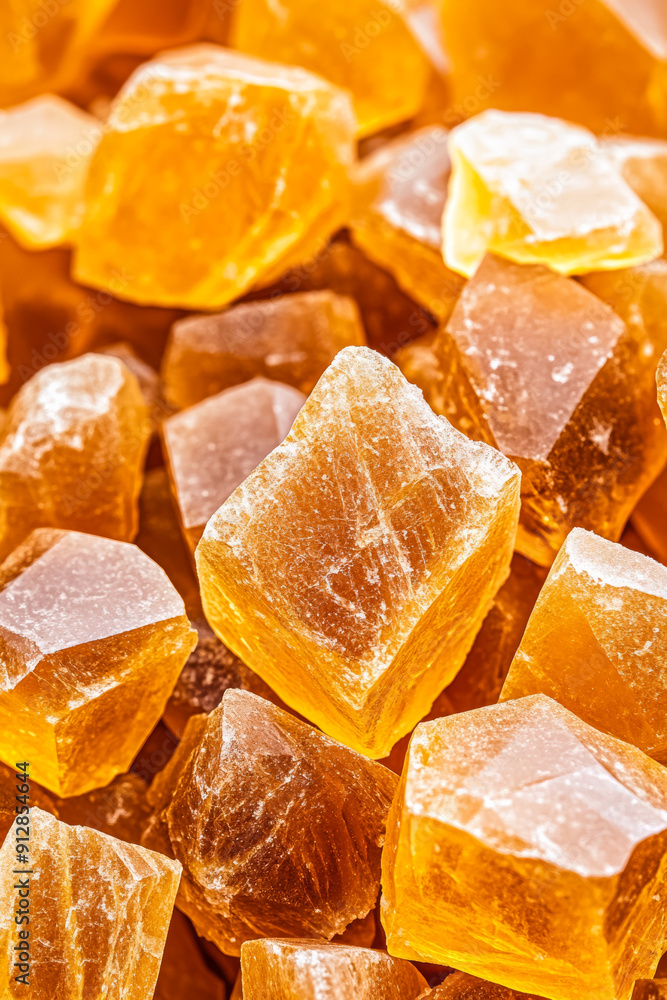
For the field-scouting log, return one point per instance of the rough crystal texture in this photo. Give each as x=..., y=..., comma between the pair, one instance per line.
x=541, y=191
x=211, y=669
x=120, y=809
x=93, y=638
x=184, y=975
x=213, y=446
x=400, y=196
x=601, y=63
x=201, y=131
x=45, y=147
x=291, y=339
x=461, y=986
x=528, y=848
x=661, y=379
x=357, y=46
x=597, y=639
x=278, y=827
x=536, y=365
x=358, y=617
x=643, y=163
x=72, y=452
x=99, y=914
x=276, y=969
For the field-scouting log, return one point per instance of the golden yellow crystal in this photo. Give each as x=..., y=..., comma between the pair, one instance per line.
x=199, y=132
x=99, y=912
x=278, y=827
x=354, y=567
x=541, y=191
x=643, y=163
x=400, y=197
x=45, y=147
x=527, y=848
x=290, y=339
x=279, y=969
x=72, y=451
x=94, y=637
x=595, y=641
x=355, y=45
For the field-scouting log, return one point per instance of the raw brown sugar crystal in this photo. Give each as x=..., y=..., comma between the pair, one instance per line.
x=278, y=827
x=119, y=809
x=94, y=637
x=643, y=163
x=275, y=969
x=355, y=45
x=72, y=451
x=184, y=974
x=400, y=196
x=99, y=912
x=528, y=848
x=602, y=63
x=538, y=366
x=291, y=339
x=460, y=986
x=353, y=568
x=45, y=146
x=596, y=641
x=202, y=131
x=213, y=446
x=540, y=190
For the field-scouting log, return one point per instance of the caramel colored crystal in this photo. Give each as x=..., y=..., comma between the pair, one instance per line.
x=211, y=669
x=649, y=517
x=120, y=809
x=9, y=779
x=291, y=339
x=461, y=986
x=650, y=989
x=94, y=637
x=275, y=969
x=354, y=567
x=45, y=147
x=596, y=641
x=525, y=847
x=549, y=374
x=278, y=827
x=401, y=193
x=99, y=914
x=661, y=378
x=358, y=46
x=200, y=132
x=541, y=191
x=213, y=446
x=184, y=974
x=72, y=451
x=602, y=63
x=643, y=163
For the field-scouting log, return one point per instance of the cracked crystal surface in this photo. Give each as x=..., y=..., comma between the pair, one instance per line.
x=72, y=451
x=540, y=190
x=278, y=828
x=595, y=641
x=526, y=847
x=100, y=910
x=93, y=638
x=277, y=969
x=354, y=567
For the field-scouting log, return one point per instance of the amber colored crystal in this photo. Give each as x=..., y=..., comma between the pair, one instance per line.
x=291, y=339
x=649, y=518
x=213, y=446
x=184, y=974
x=650, y=989
x=527, y=848
x=357, y=46
x=9, y=779
x=360, y=933
x=420, y=364
x=120, y=809
x=661, y=378
x=602, y=63
x=358, y=617
x=400, y=197
x=595, y=642
x=541, y=191
x=461, y=986
x=45, y=147
x=197, y=132
x=99, y=914
x=541, y=368
x=643, y=163
x=278, y=969
x=147, y=377
x=210, y=670
x=94, y=638
x=278, y=827
x=72, y=451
